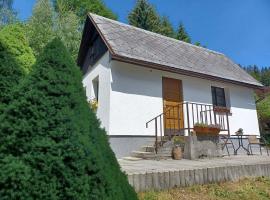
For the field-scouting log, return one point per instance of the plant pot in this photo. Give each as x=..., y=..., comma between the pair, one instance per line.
x=206, y=131
x=177, y=153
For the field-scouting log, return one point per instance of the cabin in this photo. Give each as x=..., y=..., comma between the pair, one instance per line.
x=148, y=86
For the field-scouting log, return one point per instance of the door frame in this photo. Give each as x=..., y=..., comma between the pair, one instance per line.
x=181, y=93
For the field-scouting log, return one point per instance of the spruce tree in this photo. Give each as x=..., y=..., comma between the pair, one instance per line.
x=144, y=16
x=52, y=146
x=166, y=27
x=16, y=59
x=182, y=34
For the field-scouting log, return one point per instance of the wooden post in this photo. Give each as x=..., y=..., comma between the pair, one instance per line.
x=228, y=126
x=188, y=119
x=156, y=148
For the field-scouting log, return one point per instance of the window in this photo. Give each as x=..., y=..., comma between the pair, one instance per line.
x=96, y=88
x=218, y=96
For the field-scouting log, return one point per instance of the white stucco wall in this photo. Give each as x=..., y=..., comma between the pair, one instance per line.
x=130, y=95
x=136, y=97
x=100, y=70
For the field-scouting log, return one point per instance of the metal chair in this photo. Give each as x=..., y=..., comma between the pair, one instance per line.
x=226, y=140
x=255, y=140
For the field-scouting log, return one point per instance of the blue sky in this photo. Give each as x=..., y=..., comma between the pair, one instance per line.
x=238, y=28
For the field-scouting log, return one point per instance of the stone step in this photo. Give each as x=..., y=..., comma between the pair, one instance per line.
x=165, y=152
x=164, y=155
x=130, y=158
x=151, y=148
x=150, y=155
x=143, y=154
x=148, y=151
x=148, y=148
x=168, y=144
x=166, y=148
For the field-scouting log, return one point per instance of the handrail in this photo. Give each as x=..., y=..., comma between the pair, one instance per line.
x=159, y=115
x=156, y=131
x=187, y=115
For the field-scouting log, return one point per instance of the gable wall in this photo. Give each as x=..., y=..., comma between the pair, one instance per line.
x=101, y=70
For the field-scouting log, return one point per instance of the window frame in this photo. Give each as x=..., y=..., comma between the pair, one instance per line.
x=215, y=96
x=95, y=83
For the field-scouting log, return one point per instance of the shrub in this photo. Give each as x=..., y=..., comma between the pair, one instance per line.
x=16, y=59
x=54, y=139
x=263, y=108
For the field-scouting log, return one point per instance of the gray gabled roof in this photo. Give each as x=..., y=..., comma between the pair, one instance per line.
x=131, y=43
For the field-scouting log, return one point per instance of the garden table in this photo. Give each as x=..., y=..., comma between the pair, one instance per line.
x=240, y=143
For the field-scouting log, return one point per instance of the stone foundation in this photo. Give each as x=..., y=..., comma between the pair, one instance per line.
x=200, y=147
x=184, y=178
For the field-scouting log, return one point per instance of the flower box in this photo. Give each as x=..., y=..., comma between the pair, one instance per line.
x=206, y=131
x=220, y=109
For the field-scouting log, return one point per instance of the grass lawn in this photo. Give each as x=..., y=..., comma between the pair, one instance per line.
x=246, y=189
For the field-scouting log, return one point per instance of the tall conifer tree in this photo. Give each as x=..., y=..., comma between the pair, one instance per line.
x=144, y=16
x=166, y=27
x=51, y=144
x=182, y=34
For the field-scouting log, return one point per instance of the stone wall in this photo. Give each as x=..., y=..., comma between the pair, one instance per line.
x=200, y=147
x=183, y=178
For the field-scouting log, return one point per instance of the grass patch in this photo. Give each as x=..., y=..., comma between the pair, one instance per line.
x=246, y=189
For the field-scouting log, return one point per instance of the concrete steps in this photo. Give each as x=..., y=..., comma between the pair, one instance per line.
x=148, y=148
x=148, y=151
x=143, y=154
x=130, y=158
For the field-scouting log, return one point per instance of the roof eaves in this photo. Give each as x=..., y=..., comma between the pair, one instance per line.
x=182, y=71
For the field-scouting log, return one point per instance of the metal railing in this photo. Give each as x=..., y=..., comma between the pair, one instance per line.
x=181, y=118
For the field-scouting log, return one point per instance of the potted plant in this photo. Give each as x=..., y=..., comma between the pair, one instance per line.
x=205, y=129
x=240, y=131
x=177, y=152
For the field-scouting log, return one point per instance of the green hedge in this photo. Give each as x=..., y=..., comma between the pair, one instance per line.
x=52, y=146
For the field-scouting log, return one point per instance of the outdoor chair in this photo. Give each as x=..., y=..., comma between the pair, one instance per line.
x=254, y=140
x=225, y=141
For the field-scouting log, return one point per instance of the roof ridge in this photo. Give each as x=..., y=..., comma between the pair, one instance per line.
x=150, y=32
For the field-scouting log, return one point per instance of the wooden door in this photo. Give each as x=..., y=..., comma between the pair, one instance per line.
x=172, y=106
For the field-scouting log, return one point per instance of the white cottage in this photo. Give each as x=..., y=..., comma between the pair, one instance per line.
x=148, y=85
